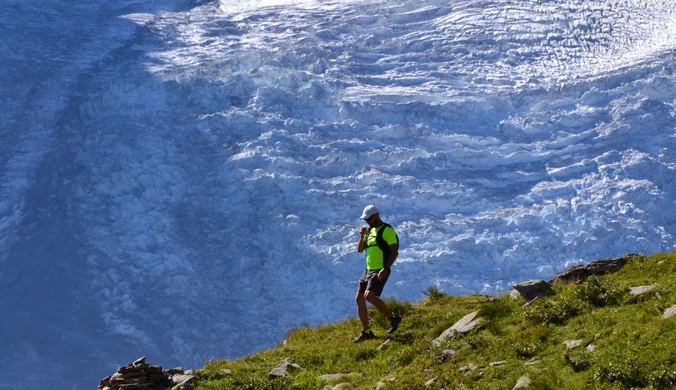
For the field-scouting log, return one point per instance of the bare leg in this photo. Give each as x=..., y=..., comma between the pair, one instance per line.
x=378, y=303
x=361, y=309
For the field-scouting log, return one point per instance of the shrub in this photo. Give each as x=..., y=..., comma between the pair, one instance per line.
x=550, y=311
x=250, y=383
x=525, y=350
x=579, y=360
x=433, y=294
x=475, y=340
x=627, y=373
x=498, y=308
x=663, y=378
x=597, y=291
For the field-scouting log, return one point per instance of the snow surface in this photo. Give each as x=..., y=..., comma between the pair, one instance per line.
x=183, y=180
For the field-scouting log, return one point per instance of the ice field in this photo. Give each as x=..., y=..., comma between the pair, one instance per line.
x=183, y=179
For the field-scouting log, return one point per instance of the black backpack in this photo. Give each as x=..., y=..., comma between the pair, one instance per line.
x=380, y=241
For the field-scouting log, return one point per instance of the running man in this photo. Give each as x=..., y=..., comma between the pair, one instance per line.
x=382, y=247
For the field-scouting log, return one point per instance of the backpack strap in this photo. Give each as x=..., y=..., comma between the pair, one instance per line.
x=382, y=244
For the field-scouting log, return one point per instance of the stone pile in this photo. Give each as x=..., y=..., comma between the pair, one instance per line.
x=140, y=375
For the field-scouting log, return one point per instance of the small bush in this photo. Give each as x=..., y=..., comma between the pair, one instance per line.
x=663, y=378
x=550, y=311
x=525, y=350
x=433, y=294
x=498, y=308
x=579, y=360
x=475, y=340
x=249, y=383
x=597, y=291
x=627, y=373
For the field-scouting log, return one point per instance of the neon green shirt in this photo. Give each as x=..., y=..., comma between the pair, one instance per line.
x=374, y=255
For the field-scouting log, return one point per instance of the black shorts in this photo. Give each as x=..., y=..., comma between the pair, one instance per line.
x=369, y=282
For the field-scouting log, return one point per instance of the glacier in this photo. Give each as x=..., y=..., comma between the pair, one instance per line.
x=183, y=179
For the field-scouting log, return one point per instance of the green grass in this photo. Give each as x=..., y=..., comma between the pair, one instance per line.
x=633, y=346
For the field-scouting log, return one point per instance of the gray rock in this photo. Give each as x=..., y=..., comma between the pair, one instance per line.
x=469, y=367
x=383, y=382
x=599, y=267
x=335, y=377
x=533, y=289
x=640, y=290
x=523, y=382
x=570, y=344
x=183, y=379
x=590, y=348
x=498, y=363
x=342, y=386
x=445, y=354
x=430, y=382
x=175, y=370
x=464, y=325
x=384, y=344
x=514, y=294
x=139, y=361
x=283, y=368
x=670, y=312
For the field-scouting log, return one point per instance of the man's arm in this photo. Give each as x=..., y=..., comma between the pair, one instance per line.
x=361, y=245
x=393, y=255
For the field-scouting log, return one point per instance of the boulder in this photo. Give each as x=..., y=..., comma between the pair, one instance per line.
x=570, y=344
x=534, y=289
x=464, y=325
x=383, y=382
x=599, y=267
x=469, y=367
x=670, y=312
x=522, y=383
x=640, y=290
x=445, y=354
x=335, y=377
x=182, y=379
x=283, y=368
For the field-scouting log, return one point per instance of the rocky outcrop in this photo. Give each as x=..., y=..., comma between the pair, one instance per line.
x=140, y=375
x=534, y=289
x=599, y=267
x=464, y=325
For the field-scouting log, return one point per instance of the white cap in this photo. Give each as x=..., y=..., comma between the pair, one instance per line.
x=368, y=212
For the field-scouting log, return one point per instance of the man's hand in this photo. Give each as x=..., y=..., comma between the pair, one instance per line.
x=362, y=232
x=383, y=274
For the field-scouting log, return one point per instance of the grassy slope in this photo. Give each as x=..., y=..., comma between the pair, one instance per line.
x=635, y=347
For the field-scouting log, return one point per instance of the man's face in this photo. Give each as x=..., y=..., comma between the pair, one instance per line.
x=372, y=220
